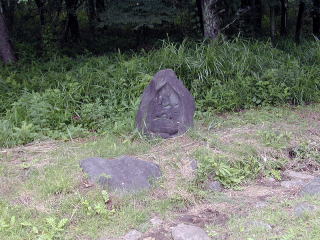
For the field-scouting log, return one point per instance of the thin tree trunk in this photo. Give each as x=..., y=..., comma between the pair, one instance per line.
x=40, y=6
x=284, y=17
x=200, y=15
x=72, y=25
x=245, y=13
x=91, y=15
x=211, y=20
x=272, y=23
x=299, y=22
x=316, y=18
x=250, y=17
x=6, y=50
x=257, y=16
x=100, y=5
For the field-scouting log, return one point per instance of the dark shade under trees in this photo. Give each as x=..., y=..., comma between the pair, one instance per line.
x=316, y=18
x=86, y=24
x=300, y=21
x=6, y=50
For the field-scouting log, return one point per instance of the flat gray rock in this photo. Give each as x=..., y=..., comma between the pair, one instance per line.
x=303, y=208
x=124, y=174
x=297, y=175
x=214, y=186
x=189, y=232
x=312, y=188
x=167, y=107
x=292, y=183
x=133, y=235
x=156, y=221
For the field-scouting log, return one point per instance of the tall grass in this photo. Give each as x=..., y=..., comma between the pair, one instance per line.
x=67, y=97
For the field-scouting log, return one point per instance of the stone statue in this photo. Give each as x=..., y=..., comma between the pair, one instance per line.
x=167, y=107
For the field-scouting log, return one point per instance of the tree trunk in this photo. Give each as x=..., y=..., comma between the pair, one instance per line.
x=284, y=17
x=40, y=6
x=41, y=10
x=211, y=20
x=72, y=25
x=257, y=20
x=250, y=17
x=272, y=23
x=316, y=18
x=91, y=15
x=9, y=7
x=100, y=5
x=6, y=50
x=299, y=22
x=200, y=15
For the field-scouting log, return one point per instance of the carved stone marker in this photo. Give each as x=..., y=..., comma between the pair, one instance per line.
x=124, y=174
x=167, y=107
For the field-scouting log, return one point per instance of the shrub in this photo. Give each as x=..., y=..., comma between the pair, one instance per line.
x=101, y=94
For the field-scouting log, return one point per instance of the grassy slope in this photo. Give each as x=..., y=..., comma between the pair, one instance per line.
x=43, y=193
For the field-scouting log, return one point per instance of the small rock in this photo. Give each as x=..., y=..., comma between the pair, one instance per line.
x=260, y=224
x=292, y=183
x=270, y=179
x=312, y=188
x=194, y=164
x=188, y=232
x=261, y=204
x=214, y=186
x=297, y=175
x=303, y=208
x=133, y=235
x=156, y=221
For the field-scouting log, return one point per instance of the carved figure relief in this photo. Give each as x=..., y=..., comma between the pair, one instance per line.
x=166, y=108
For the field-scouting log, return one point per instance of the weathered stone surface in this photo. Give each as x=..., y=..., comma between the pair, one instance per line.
x=312, y=188
x=188, y=232
x=214, y=186
x=156, y=221
x=261, y=204
x=133, y=235
x=297, y=175
x=125, y=173
x=270, y=179
x=303, y=208
x=292, y=183
x=194, y=164
x=167, y=107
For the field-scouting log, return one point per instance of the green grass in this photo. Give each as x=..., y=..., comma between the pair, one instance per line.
x=67, y=98
x=55, y=194
x=45, y=195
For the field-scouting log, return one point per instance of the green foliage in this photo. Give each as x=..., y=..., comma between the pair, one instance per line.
x=275, y=139
x=15, y=224
x=307, y=151
x=233, y=172
x=228, y=173
x=67, y=98
x=98, y=208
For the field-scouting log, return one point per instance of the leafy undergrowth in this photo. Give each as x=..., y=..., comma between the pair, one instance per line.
x=45, y=195
x=67, y=98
